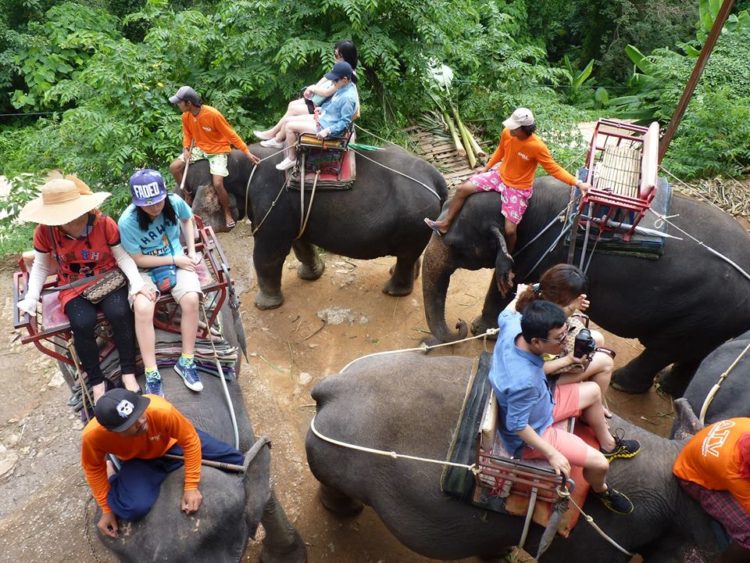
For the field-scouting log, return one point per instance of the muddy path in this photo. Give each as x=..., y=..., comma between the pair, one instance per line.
x=321, y=327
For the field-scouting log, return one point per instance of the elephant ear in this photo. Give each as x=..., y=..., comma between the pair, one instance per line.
x=686, y=423
x=503, y=263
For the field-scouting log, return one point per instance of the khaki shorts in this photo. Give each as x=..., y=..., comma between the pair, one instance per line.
x=187, y=282
x=217, y=163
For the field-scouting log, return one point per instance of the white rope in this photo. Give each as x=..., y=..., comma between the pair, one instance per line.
x=304, y=216
x=590, y=520
x=223, y=381
x=425, y=186
x=247, y=195
x=374, y=135
x=701, y=243
x=393, y=455
x=715, y=389
x=423, y=348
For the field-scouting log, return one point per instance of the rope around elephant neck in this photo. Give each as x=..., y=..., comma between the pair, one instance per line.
x=393, y=455
x=424, y=347
x=715, y=389
x=425, y=186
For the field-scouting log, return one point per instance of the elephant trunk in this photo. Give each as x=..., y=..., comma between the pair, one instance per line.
x=436, y=275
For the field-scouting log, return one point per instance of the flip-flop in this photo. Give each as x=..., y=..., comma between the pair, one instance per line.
x=231, y=224
x=430, y=223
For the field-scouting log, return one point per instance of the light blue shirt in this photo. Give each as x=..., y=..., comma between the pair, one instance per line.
x=521, y=387
x=337, y=113
x=156, y=240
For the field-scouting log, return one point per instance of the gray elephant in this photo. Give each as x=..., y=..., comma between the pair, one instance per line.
x=233, y=503
x=409, y=403
x=673, y=305
x=381, y=215
x=733, y=396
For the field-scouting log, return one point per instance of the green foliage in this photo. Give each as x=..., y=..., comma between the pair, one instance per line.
x=714, y=137
x=600, y=29
x=15, y=236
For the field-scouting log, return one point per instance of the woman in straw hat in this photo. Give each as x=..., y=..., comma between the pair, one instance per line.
x=74, y=235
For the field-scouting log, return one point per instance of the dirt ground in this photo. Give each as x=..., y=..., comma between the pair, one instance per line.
x=321, y=327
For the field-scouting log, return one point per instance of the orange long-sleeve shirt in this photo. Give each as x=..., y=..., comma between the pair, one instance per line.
x=210, y=131
x=166, y=427
x=519, y=160
x=711, y=459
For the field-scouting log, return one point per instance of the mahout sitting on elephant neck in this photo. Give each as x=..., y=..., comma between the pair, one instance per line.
x=669, y=304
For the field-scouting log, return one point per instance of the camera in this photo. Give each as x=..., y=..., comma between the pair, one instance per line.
x=584, y=344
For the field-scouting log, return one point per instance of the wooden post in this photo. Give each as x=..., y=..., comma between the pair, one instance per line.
x=692, y=82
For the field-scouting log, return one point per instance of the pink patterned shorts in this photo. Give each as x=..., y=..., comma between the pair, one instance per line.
x=514, y=201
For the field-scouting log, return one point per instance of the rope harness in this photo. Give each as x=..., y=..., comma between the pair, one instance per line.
x=715, y=389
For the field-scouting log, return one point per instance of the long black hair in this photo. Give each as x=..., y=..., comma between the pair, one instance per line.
x=348, y=52
x=144, y=219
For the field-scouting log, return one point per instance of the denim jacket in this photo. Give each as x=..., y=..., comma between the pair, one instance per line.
x=337, y=113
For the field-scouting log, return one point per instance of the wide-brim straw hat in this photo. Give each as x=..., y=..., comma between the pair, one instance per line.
x=61, y=201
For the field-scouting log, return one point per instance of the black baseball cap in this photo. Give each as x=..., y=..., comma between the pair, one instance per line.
x=340, y=70
x=186, y=94
x=118, y=409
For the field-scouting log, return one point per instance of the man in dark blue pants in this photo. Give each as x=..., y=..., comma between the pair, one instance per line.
x=139, y=430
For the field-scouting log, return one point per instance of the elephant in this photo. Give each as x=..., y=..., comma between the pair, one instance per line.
x=733, y=397
x=409, y=403
x=382, y=214
x=673, y=304
x=233, y=503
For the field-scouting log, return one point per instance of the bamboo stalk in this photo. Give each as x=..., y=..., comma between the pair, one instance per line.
x=465, y=137
x=474, y=145
x=452, y=128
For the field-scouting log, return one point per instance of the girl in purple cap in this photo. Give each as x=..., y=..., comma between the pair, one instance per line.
x=150, y=231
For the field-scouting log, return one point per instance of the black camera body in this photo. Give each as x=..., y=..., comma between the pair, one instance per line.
x=584, y=344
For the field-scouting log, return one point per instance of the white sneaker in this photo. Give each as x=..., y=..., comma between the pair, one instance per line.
x=261, y=135
x=272, y=144
x=286, y=164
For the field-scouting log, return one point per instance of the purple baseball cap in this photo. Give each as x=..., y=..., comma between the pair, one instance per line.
x=147, y=187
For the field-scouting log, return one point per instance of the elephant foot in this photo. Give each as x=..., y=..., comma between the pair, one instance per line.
x=311, y=272
x=671, y=381
x=397, y=290
x=626, y=381
x=282, y=543
x=479, y=326
x=295, y=554
x=338, y=503
x=265, y=301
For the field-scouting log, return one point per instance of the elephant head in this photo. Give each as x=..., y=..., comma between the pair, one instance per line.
x=199, y=188
x=475, y=241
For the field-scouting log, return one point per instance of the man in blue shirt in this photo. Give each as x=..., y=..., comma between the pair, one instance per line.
x=330, y=120
x=530, y=404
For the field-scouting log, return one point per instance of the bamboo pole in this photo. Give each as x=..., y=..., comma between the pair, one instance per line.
x=452, y=128
x=692, y=82
x=465, y=137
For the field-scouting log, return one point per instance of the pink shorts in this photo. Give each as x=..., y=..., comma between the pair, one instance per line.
x=514, y=201
x=571, y=446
